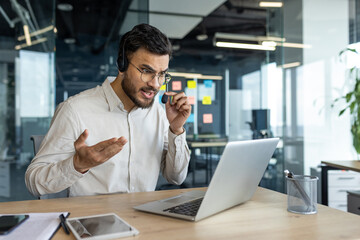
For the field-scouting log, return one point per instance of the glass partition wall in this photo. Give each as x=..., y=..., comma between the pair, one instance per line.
x=27, y=86
x=250, y=72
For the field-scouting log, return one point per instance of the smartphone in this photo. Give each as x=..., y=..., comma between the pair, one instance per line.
x=10, y=222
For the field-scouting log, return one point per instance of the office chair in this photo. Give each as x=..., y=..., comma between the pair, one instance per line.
x=37, y=139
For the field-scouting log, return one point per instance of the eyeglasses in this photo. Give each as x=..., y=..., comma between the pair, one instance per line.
x=148, y=75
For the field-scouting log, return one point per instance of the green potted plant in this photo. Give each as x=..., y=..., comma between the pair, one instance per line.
x=352, y=99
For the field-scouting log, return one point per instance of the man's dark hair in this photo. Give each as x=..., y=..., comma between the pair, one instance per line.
x=142, y=35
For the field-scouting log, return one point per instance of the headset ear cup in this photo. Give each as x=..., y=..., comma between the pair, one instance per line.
x=125, y=64
x=122, y=64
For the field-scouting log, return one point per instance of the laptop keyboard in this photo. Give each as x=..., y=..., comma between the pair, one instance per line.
x=188, y=208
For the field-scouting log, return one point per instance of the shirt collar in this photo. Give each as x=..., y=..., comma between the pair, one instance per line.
x=112, y=99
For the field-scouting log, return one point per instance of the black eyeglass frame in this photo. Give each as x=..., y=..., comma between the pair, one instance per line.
x=167, y=76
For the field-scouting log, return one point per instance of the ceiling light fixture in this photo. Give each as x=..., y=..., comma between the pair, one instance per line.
x=38, y=32
x=293, y=45
x=195, y=75
x=69, y=40
x=269, y=43
x=18, y=47
x=66, y=7
x=27, y=35
x=265, y=41
x=233, y=36
x=202, y=37
x=271, y=4
x=290, y=65
x=245, y=46
x=175, y=47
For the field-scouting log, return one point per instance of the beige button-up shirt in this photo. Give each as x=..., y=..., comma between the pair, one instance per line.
x=151, y=147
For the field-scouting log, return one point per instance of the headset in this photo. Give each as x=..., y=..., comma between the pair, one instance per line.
x=164, y=97
x=123, y=62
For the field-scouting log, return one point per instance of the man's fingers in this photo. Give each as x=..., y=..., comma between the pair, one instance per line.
x=81, y=139
x=114, y=148
x=177, y=97
x=185, y=108
x=101, y=145
x=182, y=101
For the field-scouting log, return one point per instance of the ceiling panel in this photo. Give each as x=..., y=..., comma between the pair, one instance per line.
x=174, y=26
x=198, y=7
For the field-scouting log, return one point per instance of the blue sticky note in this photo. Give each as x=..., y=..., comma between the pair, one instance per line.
x=190, y=118
x=208, y=83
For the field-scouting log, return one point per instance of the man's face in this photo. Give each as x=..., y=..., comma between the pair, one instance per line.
x=141, y=93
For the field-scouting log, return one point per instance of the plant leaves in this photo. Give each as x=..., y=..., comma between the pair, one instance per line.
x=342, y=111
x=352, y=106
x=348, y=96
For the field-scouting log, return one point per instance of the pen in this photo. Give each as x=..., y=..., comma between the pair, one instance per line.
x=305, y=197
x=63, y=223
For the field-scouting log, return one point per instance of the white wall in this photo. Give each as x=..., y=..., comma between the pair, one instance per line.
x=326, y=136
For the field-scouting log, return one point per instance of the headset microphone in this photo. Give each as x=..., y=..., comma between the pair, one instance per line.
x=164, y=98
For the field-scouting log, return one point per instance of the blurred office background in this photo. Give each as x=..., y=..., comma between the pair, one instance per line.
x=281, y=83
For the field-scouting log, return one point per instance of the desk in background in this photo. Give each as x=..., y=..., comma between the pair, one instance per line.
x=263, y=217
x=334, y=165
x=208, y=155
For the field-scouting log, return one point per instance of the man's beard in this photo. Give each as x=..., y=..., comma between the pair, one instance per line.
x=130, y=91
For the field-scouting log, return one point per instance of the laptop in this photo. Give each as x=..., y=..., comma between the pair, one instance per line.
x=235, y=181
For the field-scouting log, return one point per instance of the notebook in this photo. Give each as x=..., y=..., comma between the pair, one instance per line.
x=235, y=181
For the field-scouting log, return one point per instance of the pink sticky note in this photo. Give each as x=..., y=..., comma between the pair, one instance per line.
x=176, y=86
x=208, y=118
x=191, y=99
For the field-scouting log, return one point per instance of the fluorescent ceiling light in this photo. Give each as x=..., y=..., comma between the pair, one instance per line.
x=43, y=30
x=27, y=35
x=17, y=47
x=269, y=43
x=66, y=7
x=202, y=37
x=266, y=41
x=290, y=65
x=233, y=36
x=270, y=4
x=285, y=44
x=195, y=75
x=244, y=46
x=293, y=45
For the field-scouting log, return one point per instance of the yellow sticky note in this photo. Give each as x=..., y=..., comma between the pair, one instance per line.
x=191, y=99
x=163, y=87
x=191, y=84
x=176, y=85
x=206, y=100
x=208, y=118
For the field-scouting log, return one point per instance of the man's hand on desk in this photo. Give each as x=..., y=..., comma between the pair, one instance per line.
x=87, y=157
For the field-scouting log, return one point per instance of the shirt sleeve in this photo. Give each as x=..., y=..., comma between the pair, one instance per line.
x=176, y=158
x=52, y=169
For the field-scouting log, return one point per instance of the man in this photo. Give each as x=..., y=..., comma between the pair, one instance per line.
x=114, y=138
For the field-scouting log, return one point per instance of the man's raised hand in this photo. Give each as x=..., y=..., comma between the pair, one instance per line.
x=87, y=157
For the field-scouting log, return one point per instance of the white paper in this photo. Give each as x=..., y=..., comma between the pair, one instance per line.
x=39, y=226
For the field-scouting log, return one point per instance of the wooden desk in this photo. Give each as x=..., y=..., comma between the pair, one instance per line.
x=263, y=217
x=353, y=165
x=207, y=145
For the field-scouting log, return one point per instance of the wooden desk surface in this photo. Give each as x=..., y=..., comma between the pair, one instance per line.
x=353, y=165
x=263, y=217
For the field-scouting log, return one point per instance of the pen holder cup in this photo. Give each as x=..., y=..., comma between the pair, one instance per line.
x=302, y=194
